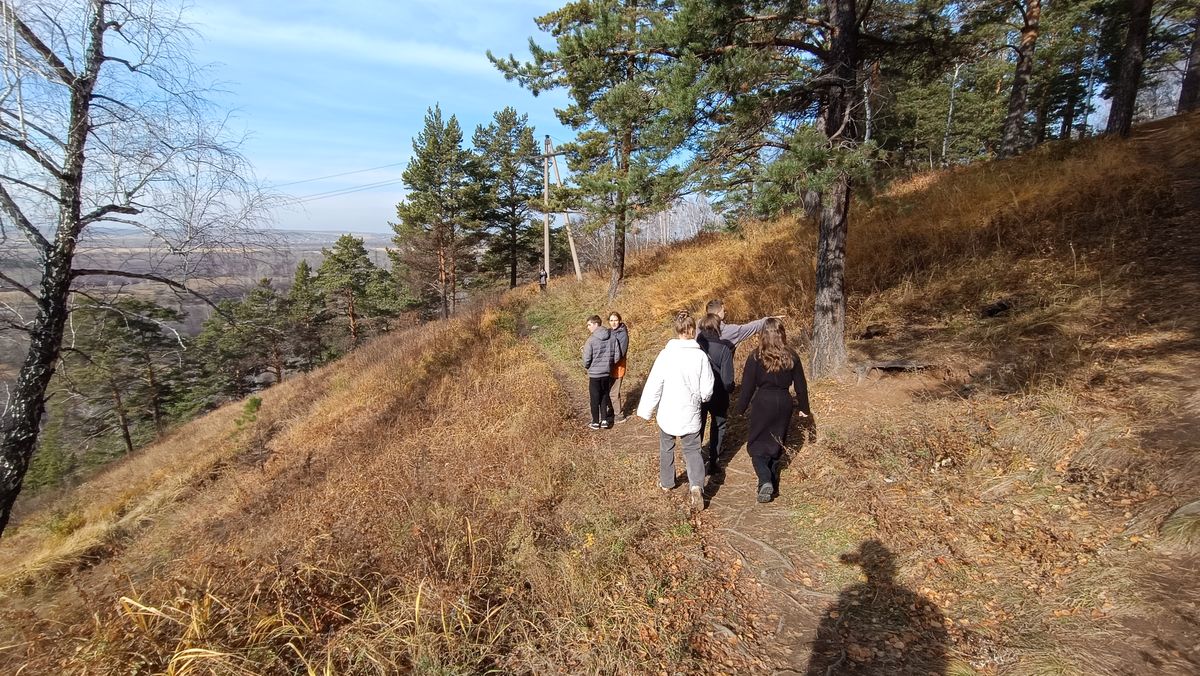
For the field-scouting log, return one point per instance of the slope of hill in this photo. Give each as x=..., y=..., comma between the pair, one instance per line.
x=431, y=503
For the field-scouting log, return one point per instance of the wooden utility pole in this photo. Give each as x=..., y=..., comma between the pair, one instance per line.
x=566, y=214
x=546, y=208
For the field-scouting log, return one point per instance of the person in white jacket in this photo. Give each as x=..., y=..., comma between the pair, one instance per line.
x=679, y=382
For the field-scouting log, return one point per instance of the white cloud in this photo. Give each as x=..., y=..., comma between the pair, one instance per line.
x=224, y=25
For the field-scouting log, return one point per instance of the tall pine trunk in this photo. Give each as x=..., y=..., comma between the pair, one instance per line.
x=155, y=400
x=622, y=216
x=1010, y=140
x=1129, y=70
x=353, y=317
x=1189, y=94
x=122, y=418
x=829, y=312
x=513, y=234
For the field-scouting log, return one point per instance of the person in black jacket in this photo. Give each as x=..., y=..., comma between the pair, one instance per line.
x=720, y=355
x=770, y=371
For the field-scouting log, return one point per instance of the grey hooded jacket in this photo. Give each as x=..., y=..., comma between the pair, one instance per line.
x=600, y=352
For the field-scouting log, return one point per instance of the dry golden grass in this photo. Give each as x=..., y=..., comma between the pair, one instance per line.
x=425, y=504
x=390, y=513
x=1024, y=482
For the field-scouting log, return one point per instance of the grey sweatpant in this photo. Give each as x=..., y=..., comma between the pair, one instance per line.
x=691, y=458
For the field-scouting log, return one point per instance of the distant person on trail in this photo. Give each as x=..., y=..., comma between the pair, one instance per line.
x=600, y=352
x=720, y=357
x=735, y=333
x=770, y=371
x=542, y=277
x=620, y=333
x=680, y=381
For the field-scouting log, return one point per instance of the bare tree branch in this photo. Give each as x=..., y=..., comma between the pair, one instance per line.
x=100, y=212
x=32, y=39
x=20, y=287
x=25, y=184
x=84, y=272
x=14, y=212
x=34, y=153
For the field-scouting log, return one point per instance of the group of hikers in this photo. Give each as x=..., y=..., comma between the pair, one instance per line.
x=691, y=385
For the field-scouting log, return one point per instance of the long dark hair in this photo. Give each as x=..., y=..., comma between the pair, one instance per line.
x=710, y=326
x=773, y=352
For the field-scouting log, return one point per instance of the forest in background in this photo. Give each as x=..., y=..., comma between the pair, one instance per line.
x=770, y=108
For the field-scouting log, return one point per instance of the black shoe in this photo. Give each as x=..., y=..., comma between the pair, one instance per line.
x=765, y=491
x=593, y=426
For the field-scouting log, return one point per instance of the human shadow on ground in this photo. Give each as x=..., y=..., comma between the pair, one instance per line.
x=879, y=626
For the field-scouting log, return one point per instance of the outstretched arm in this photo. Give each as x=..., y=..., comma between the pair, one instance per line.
x=736, y=333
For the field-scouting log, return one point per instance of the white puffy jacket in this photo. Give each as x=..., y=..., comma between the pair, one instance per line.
x=680, y=380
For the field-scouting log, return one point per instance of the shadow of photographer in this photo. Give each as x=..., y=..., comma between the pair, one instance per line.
x=879, y=626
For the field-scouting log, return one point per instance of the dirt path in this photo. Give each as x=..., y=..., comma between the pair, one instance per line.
x=1164, y=640
x=756, y=535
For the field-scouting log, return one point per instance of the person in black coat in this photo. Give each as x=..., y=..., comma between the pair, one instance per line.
x=770, y=372
x=720, y=355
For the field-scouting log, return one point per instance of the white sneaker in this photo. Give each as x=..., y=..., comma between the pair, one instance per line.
x=697, y=499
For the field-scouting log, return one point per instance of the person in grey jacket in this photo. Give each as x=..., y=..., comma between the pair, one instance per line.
x=600, y=352
x=735, y=333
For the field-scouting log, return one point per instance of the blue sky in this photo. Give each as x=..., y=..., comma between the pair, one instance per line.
x=325, y=88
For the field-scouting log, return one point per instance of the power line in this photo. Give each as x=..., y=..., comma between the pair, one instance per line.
x=344, y=173
x=347, y=191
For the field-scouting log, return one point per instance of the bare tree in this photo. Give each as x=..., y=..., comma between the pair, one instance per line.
x=103, y=121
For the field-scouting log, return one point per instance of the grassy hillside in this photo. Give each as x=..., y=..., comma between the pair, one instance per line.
x=431, y=503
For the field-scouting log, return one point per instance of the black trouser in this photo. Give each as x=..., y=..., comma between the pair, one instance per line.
x=602, y=408
x=719, y=410
x=767, y=470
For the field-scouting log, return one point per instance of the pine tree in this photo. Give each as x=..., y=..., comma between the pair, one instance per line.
x=511, y=167
x=263, y=326
x=440, y=220
x=607, y=55
x=1129, y=68
x=1030, y=13
x=306, y=316
x=351, y=284
x=122, y=358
